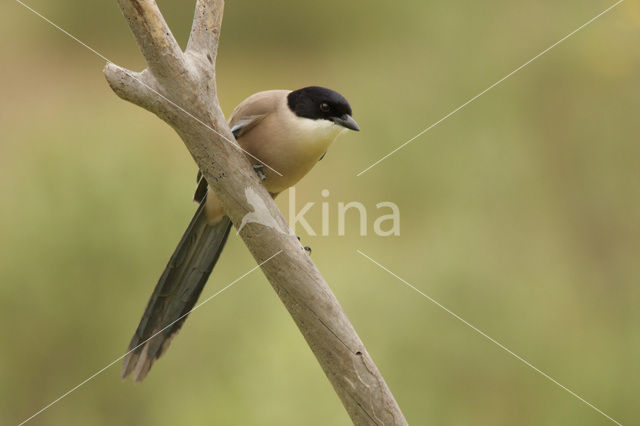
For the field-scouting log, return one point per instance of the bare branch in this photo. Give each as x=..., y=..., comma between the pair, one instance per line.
x=188, y=102
x=205, y=31
x=129, y=85
x=155, y=40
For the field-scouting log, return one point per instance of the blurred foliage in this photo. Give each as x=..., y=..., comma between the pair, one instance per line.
x=519, y=213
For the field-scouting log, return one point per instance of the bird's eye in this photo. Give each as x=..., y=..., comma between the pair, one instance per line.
x=324, y=107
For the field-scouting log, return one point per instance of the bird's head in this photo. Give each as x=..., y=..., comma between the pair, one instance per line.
x=319, y=103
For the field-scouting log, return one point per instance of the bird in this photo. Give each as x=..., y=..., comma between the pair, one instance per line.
x=288, y=131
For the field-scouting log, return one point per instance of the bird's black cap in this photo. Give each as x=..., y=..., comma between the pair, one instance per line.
x=320, y=103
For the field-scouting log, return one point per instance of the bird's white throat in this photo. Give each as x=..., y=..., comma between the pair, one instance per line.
x=316, y=132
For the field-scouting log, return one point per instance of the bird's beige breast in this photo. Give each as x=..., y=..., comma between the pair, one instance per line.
x=289, y=145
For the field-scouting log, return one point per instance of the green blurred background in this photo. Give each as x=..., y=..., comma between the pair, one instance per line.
x=519, y=213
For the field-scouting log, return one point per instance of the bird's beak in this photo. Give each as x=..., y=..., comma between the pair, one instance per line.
x=346, y=121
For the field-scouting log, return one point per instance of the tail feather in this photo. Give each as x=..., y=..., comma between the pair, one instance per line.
x=176, y=292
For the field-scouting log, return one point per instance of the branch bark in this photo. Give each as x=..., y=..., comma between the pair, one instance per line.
x=181, y=89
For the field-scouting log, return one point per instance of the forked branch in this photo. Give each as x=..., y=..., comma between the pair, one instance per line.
x=181, y=89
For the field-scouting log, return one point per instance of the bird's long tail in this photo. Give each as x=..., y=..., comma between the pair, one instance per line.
x=176, y=292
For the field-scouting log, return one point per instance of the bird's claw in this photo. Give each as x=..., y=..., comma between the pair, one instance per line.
x=306, y=248
x=259, y=168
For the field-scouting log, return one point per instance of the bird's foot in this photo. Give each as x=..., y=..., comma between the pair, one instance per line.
x=259, y=168
x=306, y=248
